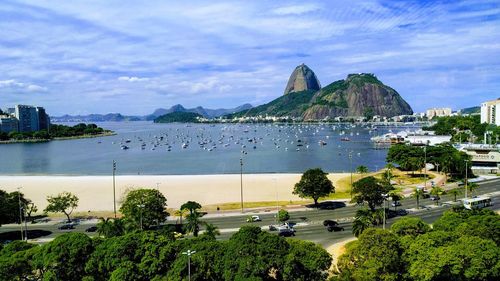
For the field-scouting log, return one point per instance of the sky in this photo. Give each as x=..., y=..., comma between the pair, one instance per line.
x=94, y=56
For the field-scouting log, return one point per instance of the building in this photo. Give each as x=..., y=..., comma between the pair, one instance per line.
x=439, y=112
x=8, y=124
x=485, y=158
x=31, y=119
x=490, y=112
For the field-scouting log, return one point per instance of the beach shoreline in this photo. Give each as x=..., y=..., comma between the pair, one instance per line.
x=96, y=192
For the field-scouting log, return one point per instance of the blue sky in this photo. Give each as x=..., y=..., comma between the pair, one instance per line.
x=96, y=56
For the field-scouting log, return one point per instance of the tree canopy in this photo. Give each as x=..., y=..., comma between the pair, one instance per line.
x=144, y=205
x=371, y=191
x=314, y=183
x=64, y=202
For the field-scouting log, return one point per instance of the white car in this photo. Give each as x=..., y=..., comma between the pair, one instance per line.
x=253, y=218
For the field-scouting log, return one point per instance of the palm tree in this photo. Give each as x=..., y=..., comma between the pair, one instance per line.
x=417, y=193
x=362, y=169
x=211, y=230
x=437, y=191
x=192, y=206
x=471, y=186
x=396, y=197
x=362, y=221
x=193, y=223
x=455, y=192
x=110, y=227
x=180, y=213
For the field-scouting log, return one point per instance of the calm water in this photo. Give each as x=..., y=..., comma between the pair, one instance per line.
x=209, y=149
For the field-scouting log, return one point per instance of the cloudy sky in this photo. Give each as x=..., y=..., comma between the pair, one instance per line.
x=82, y=57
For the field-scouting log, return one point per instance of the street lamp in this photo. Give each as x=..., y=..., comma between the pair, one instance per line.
x=350, y=168
x=385, y=196
x=277, y=202
x=425, y=166
x=241, y=183
x=466, y=181
x=188, y=253
x=114, y=192
x=141, y=206
x=20, y=212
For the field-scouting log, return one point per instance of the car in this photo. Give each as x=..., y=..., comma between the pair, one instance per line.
x=329, y=223
x=402, y=212
x=434, y=198
x=286, y=232
x=396, y=203
x=253, y=218
x=66, y=226
x=91, y=229
x=334, y=228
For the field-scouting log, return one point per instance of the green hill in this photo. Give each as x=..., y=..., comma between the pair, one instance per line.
x=180, y=117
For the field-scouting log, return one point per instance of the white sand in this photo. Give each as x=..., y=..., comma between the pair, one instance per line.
x=96, y=192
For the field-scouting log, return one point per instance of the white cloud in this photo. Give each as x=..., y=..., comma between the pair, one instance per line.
x=132, y=79
x=296, y=9
x=14, y=84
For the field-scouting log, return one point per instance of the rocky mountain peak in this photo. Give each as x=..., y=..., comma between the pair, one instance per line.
x=302, y=79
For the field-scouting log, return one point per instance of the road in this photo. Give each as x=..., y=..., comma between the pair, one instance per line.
x=310, y=222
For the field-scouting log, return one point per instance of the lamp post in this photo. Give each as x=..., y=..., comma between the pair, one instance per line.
x=188, y=253
x=141, y=206
x=425, y=166
x=114, y=192
x=350, y=168
x=158, y=198
x=385, y=196
x=241, y=183
x=466, y=181
x=277, y=202
x=20, y=212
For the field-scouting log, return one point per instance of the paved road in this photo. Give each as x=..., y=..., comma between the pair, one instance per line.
x=311, y=221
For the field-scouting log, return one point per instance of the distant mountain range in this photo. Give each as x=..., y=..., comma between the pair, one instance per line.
x=205, y=112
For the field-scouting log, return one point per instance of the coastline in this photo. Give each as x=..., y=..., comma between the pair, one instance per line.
x=106, y=134
x=96, y=192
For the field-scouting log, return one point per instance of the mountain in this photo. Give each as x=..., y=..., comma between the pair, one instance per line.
x=471, y=110
x=179, y=116
x=94, y=118
x=205, y=112
x=302, y=79
x=358, y=95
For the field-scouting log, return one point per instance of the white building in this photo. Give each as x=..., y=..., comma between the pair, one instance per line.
x=490, y=112
x=439, y=112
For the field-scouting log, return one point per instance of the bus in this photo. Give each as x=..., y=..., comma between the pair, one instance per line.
x=477, y=203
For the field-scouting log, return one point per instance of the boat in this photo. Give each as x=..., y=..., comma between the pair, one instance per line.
x=345, y=139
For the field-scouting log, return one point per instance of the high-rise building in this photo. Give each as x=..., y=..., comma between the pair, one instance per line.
x=490, y=112
x=28, y=118
x=8, y=124
x=43, y=119
x=439, y=112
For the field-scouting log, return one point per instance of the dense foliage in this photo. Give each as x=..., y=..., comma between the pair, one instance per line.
x=250, y=254
x=56, y=131
x=314, y=183
x=179, y=116
x=143, y=208
x=64, y=202
x=9, y=206
x=462, y=245
x=411, y=158
x=371, y=191
x=464, y=128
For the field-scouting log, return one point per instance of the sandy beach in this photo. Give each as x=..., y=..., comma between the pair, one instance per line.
x=96, y=192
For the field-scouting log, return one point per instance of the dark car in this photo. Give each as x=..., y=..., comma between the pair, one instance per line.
x=402, y=212
x=335, y=228
x=330, y=223
x=435, y=198
x=91, y=229
x=396, y=203
x=66, y=226
x=286, y=232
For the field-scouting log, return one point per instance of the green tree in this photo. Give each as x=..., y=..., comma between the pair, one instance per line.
x=410, y=226
x=472, y=186
x=395, y=197
x=211, y=230
x=16, y=261
x=146, y=205
x=180, y=213
x=306, y=261
x=65, y=257
x=110, y=227
x=455, y=192
x=64, y=202
x=362, y=221
x=283, y=215
x=362, y=169
x=191, y=206
x=437, y=192
x=9, y=206
x=30, y=208
x=418, y=193
x=369, y=190
x=314, y=183
x=193, y=223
